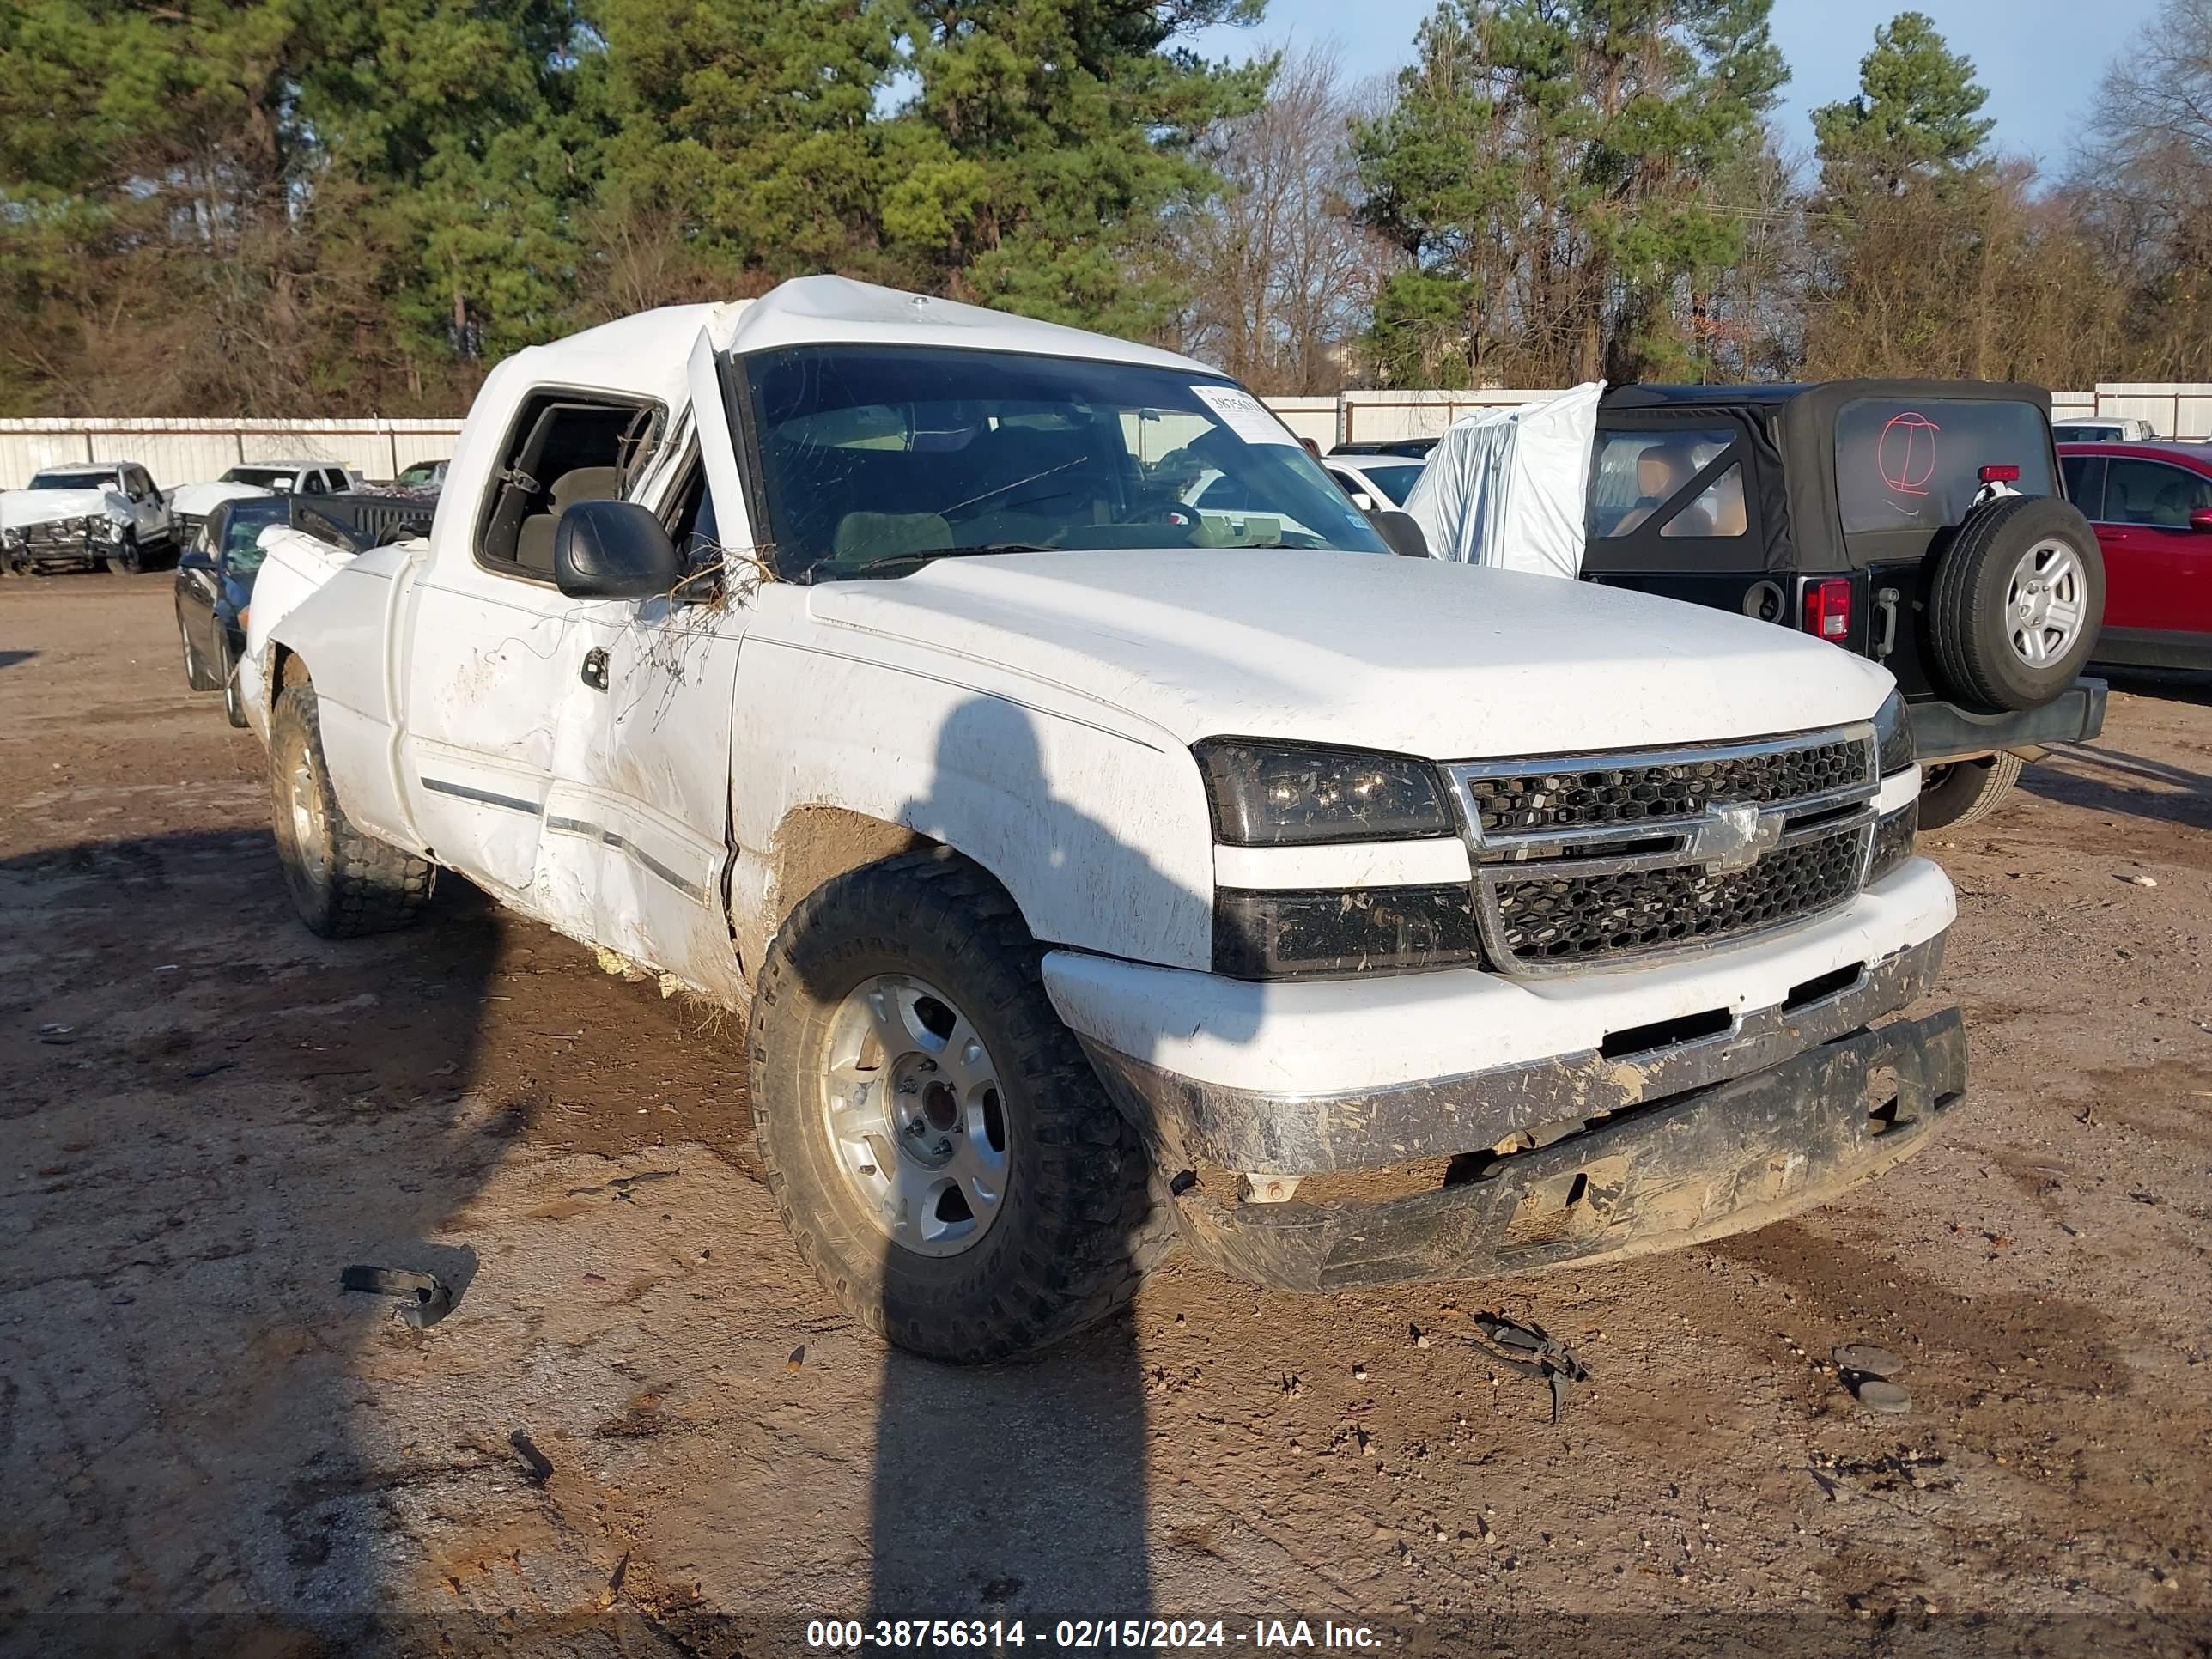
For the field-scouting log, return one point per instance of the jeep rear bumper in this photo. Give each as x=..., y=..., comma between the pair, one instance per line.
x=1695, y=1167
x=1944, y=732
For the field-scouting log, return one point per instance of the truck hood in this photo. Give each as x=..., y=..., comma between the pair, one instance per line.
x=198, y=500
x=20, y=508
x=1449, y=661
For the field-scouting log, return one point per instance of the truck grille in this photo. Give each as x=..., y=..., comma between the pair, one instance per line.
x=1570, y=794
x=1598, y=858
x=1576, y=918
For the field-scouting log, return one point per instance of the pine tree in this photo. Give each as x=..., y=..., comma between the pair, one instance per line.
x=1547, y=166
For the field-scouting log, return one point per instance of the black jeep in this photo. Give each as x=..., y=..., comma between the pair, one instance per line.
x=1921, y=523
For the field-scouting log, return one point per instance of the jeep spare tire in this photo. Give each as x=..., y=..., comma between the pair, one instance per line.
x=2016, y=603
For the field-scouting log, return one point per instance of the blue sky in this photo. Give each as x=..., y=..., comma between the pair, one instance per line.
x=2040, y=59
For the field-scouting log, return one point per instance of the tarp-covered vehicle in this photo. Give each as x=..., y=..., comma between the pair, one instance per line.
x=1918, y=523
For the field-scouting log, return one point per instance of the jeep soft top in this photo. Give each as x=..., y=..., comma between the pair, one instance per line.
x=1920, y=523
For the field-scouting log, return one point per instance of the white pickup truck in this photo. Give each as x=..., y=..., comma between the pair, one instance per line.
x=1100, y=869
x=105, y=512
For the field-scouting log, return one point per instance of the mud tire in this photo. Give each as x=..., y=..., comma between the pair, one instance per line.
x=1084, y=1221
x=349, y=883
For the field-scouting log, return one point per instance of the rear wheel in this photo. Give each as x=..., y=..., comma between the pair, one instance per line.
x=342, y=883
x=227, y=676
x=1967, y=792
x=2016, y=602
x=196, y=673
x=937, y=1143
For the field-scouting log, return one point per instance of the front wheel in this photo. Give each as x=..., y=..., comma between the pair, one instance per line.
x=939, y=1148
x=1967, y=792
x=343, y=883
x=124, y=559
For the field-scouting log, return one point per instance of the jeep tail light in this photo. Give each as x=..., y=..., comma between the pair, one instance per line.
x=1828, y=609
x=2000, y=474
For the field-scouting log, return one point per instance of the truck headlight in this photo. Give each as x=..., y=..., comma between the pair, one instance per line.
x=1893, y=736
x=1270, y=934
x=1278, y=794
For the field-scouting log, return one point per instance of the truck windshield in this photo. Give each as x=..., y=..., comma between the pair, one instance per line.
x=877, y=458
x=74, y=481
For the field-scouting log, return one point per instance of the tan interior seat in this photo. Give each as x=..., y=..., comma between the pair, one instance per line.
x=533, y=547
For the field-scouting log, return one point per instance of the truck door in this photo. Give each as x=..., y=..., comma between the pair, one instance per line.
x=494, y=657
x=637, y=822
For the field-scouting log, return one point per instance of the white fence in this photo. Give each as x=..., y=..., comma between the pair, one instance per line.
x=182, y=451
x=189, y=451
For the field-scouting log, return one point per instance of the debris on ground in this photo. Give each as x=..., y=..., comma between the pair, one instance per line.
x=615, y=1582
x=798, y=1360
x=1890, y=1398
x=1528, y=1348
x=1865, y=1357
x=539, y=1466
x=426, y=1301
x=1867, y=1371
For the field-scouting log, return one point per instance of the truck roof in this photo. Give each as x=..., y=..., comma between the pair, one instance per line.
x=648, y=353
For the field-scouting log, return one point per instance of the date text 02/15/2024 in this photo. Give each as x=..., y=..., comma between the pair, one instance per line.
x=1084, y=1635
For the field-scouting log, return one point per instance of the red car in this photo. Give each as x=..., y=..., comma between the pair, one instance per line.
x=2152, y=507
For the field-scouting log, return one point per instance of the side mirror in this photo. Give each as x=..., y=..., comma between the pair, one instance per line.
x=1402, y=532
x=613, y=551
x=2200, y=519
x=192, y=559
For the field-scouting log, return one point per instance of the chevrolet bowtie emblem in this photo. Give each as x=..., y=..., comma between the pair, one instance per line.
x=1736, y=837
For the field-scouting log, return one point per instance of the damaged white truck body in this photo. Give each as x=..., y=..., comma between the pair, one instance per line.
x=1099, y=870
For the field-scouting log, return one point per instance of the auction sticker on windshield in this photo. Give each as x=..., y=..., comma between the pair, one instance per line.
x=1245, y=415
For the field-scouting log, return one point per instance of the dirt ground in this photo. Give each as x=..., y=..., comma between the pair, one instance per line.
x=205, y=1445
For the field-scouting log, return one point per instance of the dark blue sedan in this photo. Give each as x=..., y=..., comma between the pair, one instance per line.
x=215, y=583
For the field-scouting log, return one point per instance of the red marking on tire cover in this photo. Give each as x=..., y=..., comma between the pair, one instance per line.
x=1906, y=452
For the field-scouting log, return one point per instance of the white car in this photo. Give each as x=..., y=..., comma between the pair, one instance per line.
x=194, y=503
x=1375, y=483
x=2110, y=429
x=107, y=513
x=842, y=656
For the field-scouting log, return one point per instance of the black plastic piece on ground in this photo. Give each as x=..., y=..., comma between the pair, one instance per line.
x=426, y=1299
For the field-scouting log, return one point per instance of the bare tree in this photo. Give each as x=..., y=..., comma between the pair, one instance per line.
x=1280, y=276
x=2143, y=189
